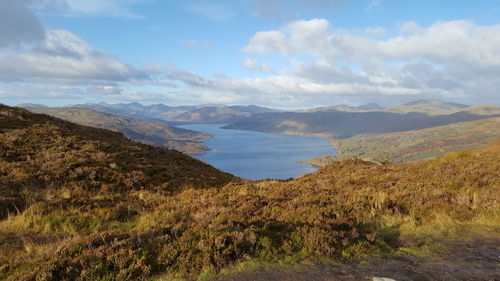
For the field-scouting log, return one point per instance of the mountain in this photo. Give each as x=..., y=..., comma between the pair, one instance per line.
x=484, y=109
x=414, y=145
x=31, y=105
x=222, y=115
x=149, y=132
x=342, y=124
x=207, y=113
x=431, y=107
x=81, y=203
x=371, y=106
x=134, y=110
x=347, y=108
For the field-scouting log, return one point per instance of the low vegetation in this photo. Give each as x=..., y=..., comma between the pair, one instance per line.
x=81, y=203
x=414, y=145
x=156, y=133
x=344, y=124
x=208, y=113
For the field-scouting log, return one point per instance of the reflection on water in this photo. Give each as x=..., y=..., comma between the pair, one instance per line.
x=254, y=155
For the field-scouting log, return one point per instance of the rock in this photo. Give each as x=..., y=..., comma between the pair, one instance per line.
x=382, y=279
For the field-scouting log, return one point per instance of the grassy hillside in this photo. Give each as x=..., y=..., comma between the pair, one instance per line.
x=41, y=154
x=343, y=107
x=211, y=115
x=149, y=132
x=81, y=203
x=208, y=113
x=431, y=107
x=414, y=145
x=341, y=124
x=484, y=109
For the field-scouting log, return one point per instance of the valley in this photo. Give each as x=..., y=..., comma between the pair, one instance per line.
x=85, y=203
x=408, y=132
x=249, y=140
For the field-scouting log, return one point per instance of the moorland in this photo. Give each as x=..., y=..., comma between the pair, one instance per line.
x=83, y=203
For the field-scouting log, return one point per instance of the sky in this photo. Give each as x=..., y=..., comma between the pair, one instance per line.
x=277, y=53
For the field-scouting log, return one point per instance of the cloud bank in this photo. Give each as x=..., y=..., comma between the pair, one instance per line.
x=453, y=60
x=319, y=64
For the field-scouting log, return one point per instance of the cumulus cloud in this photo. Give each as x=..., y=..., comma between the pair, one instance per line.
x=375, y=30
x=441, y=42
x=456, y=59
x=36, y=63
x=254, y=65
x=63, y=55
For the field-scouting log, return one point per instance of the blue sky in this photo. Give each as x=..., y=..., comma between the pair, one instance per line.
x=286, y=54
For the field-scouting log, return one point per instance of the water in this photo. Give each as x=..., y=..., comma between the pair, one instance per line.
x=254, y=155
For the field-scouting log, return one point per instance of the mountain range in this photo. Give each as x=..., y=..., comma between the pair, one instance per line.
x=346, y=126
x=408, y=146
x=333, y=122
x=208, y=113
x=156, y=133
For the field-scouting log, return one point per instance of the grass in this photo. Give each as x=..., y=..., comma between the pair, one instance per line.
x=414, y=145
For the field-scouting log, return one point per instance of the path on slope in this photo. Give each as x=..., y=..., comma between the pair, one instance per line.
x=468, y=261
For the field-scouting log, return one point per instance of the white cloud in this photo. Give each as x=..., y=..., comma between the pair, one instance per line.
x=410, y=27
x=456, y=59
x=267, y=42
x=63, y=55
x=254, y=65
x=375, y=30
x=452, y=41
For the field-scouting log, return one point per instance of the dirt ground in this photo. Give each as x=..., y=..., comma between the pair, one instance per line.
x=474, y=261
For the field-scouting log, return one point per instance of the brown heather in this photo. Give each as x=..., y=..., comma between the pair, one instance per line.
x=80, y=203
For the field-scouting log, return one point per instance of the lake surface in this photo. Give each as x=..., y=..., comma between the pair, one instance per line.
x=254, y=155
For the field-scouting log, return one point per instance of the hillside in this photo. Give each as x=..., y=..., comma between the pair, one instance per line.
x=213, y=114
x=207, y=113
x=343, y=107
x=341, y=124
x=81, y=203
x=484, y=109
x=431, y=107
x=149, y=132
x=414, y=145
x=42, y=154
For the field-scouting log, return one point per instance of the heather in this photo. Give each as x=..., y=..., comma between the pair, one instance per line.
x=79, y=203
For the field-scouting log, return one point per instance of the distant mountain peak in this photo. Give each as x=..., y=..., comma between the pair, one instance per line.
x=435, y=102
x=30, y=105
x=371, y=106
x=428, y=106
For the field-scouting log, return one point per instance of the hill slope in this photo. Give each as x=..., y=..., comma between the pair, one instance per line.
x=431, y=107
x=207, y=113
x=41, y=153
x=89, y=204
x=149, y=132
x=341, y=124
x=211, y=114
x=414, y=145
